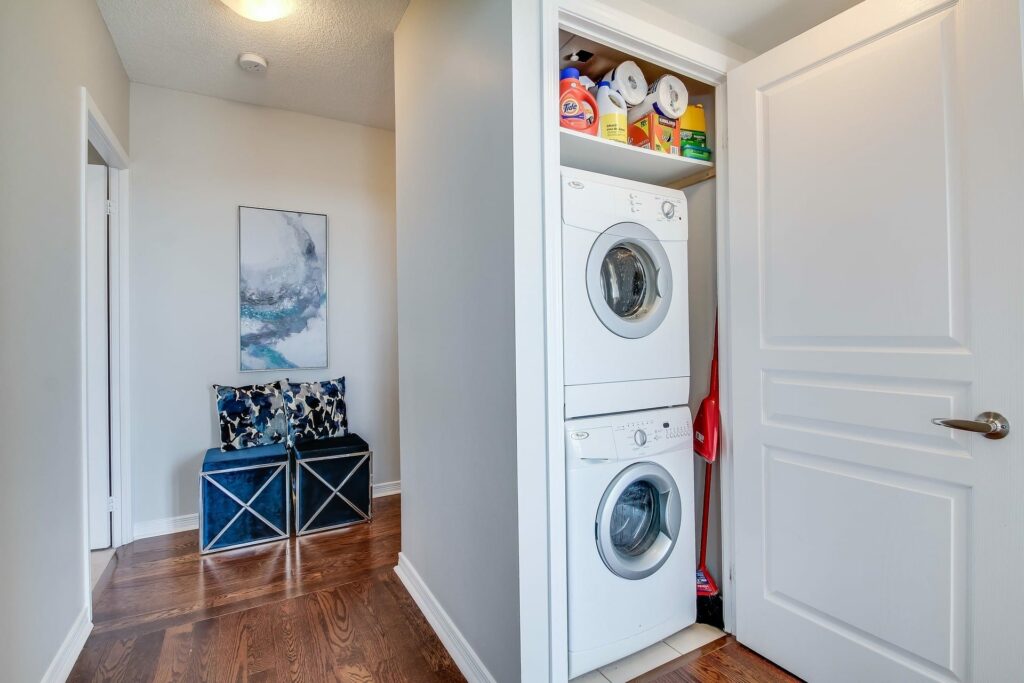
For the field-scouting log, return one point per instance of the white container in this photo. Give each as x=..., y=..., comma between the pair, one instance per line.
x=611, y=108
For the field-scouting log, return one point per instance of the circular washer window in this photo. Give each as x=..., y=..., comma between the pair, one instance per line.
x=638, y=521
x=629, y=280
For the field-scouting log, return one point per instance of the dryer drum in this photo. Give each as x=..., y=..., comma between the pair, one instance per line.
x=625, y=274
x=629, y=280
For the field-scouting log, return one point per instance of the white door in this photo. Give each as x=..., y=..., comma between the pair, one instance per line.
x=97, y=356
x=876, y=260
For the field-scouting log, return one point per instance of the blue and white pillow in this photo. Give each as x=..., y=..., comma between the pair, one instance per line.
x=253, y=415
x=316, y=410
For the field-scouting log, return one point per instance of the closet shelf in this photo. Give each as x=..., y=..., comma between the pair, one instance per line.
x=590, y=153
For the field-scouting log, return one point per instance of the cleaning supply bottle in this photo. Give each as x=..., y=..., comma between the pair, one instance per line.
x=577, y=107
x=612, y=109
x=693, y=135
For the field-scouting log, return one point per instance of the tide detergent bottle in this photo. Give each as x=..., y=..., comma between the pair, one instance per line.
x=577, y=107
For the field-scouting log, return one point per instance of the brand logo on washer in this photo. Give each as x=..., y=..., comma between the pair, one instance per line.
x=575, y=184
x=579, y=436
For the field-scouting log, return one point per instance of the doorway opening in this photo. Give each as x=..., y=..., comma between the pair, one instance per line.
x=104, y=325
x=97, y=323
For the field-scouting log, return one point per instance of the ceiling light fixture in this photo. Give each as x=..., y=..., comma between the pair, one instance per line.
x=262, y=10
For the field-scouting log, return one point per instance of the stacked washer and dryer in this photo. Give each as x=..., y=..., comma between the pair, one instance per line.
x=629, y=447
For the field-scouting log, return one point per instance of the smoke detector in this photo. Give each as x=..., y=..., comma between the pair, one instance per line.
x=250, y=61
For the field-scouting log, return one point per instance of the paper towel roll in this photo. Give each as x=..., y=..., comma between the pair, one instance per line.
x=667, y=96
x=628, y=80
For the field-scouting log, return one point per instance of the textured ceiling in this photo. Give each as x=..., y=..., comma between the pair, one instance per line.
x=331, y=58
x=757, y=25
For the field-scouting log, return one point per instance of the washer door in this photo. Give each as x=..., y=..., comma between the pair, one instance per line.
x=638, y=520
x=629, y=280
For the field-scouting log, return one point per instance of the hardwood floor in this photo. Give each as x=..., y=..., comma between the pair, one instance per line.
x=325, y=607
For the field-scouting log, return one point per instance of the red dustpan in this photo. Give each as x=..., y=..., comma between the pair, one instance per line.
x=706, y=427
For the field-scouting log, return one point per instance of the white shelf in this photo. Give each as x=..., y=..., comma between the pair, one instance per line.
x=591, y=153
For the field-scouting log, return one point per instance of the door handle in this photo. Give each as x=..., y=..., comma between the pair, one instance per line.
x=988, y=424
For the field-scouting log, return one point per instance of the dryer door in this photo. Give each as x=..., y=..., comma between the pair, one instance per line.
x=638, y=520
x=629, y=280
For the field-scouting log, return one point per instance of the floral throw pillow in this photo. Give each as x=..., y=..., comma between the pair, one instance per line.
x=316, y=410
x=252, y=415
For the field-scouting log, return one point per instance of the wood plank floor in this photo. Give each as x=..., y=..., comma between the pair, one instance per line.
x=326, y=607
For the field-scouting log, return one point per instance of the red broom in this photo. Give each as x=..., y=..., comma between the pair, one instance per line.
x=706, y=427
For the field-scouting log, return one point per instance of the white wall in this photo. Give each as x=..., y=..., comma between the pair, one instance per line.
x=49, y=50
x=456, y=317
x=195, y=159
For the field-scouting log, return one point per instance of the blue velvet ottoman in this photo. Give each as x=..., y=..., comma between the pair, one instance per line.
x=332, y=483
x=244, y=497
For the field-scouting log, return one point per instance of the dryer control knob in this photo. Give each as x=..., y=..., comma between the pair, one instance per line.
x=668, y=209
x=640, y=437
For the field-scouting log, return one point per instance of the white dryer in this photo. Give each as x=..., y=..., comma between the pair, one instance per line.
x=624, y=293
x=630, y=533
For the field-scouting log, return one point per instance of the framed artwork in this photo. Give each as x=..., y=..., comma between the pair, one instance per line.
x=282, y=289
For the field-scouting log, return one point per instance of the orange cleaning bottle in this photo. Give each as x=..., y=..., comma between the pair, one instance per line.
x=577, y=107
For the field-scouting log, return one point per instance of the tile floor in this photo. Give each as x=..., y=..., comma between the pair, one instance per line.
x=676, y=645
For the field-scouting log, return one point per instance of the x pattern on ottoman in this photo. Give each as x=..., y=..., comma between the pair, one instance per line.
x=245, y=497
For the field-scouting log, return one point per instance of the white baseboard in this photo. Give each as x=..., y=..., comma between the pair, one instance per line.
x=387, y=488
x=172, y=525
x=456, y=644
x=167, y=525
x=64, y=661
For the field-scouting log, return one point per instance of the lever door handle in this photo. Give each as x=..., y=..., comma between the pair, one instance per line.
x=988, y=424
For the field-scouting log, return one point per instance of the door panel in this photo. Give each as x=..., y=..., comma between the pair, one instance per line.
x=874, y=258
x=891, y=96
x=907, y=528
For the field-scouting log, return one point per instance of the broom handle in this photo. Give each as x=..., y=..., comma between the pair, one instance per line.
x=704, y=518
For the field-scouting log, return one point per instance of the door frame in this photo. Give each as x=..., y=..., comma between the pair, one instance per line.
x=96, y=130
x=636, y=36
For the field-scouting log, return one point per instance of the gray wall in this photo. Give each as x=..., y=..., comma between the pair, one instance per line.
x=703, y=274
x=456, y=324
x=48, y=50
x=195, y=159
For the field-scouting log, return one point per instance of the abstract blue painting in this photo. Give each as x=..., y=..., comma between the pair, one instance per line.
x=282, y=289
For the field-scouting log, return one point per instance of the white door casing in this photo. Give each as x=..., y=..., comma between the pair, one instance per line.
x=97, y=356
x=876, y=253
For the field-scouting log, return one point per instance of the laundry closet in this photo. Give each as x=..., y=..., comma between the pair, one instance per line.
x=638, y=293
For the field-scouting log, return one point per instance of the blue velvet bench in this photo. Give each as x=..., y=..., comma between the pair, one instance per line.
x=332, y=483
x=244, y=497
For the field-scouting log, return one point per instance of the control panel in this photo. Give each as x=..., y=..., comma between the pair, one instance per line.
x=594, y=202
x=626, y=436
x=652, y=206
x=651, y=433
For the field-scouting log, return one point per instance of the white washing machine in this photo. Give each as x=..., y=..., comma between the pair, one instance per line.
x=630, y=533
x=624, y=292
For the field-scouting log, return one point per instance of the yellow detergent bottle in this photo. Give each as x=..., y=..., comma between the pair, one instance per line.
x=612, y=113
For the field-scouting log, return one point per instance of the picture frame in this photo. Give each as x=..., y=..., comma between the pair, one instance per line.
x=282, y=289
